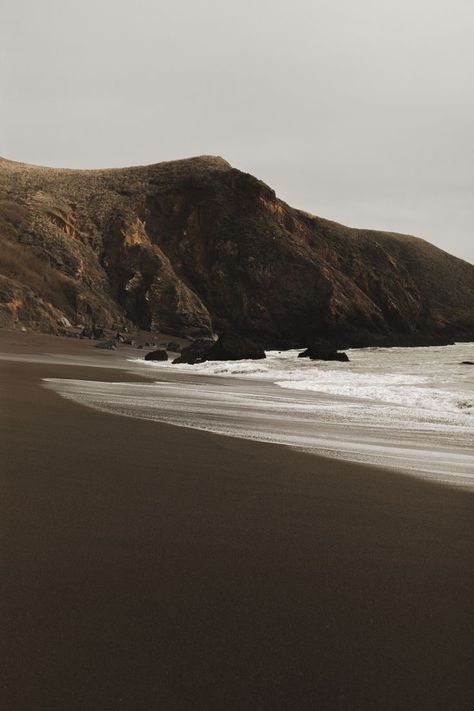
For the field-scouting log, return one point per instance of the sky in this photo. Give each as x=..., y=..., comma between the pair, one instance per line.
x=358, y=111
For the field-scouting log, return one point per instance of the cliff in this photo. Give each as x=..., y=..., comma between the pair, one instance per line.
x=195, y=246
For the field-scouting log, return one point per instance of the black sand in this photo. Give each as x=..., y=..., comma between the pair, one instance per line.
x=152, y=567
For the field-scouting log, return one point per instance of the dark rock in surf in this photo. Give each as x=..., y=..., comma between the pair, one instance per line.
x=229, y=346
x=196, y=352
x=159, y=354
x=467, y=362
x=319, y=352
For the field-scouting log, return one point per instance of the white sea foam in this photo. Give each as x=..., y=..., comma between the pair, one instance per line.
x=431, y=382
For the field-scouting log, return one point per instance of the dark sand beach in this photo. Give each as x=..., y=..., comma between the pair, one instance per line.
x=146, y=566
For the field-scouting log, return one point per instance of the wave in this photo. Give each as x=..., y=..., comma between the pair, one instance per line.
x=427, y=381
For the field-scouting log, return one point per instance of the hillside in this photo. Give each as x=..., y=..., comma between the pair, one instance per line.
x=195, y=246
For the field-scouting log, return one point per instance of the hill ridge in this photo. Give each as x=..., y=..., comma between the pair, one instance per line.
x=196, y=246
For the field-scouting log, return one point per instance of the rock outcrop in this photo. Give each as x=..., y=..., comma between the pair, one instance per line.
x=318, y=352
x=196, y=247
x=196, y=352
x=159, y=354
x=229, y=346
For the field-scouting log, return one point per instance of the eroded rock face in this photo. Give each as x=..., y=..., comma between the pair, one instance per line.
x=195, y=247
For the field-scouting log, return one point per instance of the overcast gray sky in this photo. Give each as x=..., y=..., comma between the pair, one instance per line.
x=361, y=111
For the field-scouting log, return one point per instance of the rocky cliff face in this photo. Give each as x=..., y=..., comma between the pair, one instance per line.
x=195, y=246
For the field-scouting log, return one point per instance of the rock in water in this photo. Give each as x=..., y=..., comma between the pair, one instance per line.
x=159, y=354
x=196, y=352
x=318, y=352
x=229, y=346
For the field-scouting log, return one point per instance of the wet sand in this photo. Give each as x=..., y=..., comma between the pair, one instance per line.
x=146, y=566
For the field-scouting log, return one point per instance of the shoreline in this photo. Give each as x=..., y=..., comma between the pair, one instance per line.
x=150, y=566
x=405, y=458
x=249, y=406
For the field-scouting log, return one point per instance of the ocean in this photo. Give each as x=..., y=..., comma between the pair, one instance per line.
x=410, y=409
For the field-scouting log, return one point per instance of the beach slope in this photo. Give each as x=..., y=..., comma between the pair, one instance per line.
x=146, y=566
